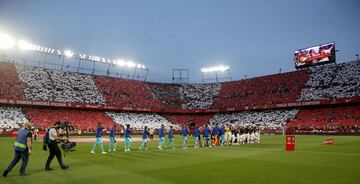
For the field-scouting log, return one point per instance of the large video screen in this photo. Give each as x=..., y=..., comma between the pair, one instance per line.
x=321, y=54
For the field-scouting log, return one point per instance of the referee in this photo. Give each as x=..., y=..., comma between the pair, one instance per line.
x=54, y=138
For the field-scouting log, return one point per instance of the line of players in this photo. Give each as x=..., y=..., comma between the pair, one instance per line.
x=211, y=137
x=220, y=136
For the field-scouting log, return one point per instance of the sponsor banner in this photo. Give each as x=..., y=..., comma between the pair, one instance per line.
x=229, y=109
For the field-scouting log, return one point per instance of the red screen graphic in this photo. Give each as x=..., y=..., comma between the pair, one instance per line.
x=321, y=54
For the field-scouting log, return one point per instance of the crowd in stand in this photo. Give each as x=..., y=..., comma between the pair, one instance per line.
x=169, y=94
x=58, y=86
x=187, y=119
x=332, y=82
x=320, y=82
x=266, y=90
x=139, y=120
x=200, y=96
x=80, y=119
x=128, y=93
x=326, y=119
x=11, y=118
x=10, y=85
x=268, y=119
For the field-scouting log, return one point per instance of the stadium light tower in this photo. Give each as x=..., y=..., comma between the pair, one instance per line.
x=136, y=69
x=180, y=76
x=217, y=70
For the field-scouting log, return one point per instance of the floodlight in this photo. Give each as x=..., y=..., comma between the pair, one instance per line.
x=68, y=53
x=94, y=58
x=24, y=45
x=121, y=62
x=6, y=41
x=130, y=64
x=219, y=68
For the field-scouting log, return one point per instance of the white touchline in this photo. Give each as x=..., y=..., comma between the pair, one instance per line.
x=304, y=151
x=332, y=153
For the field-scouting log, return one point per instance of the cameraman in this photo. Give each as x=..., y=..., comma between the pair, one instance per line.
x=54, y=138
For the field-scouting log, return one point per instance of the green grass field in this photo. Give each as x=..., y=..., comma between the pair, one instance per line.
x=312, y=162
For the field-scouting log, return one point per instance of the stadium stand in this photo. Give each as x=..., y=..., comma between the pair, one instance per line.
x=129, y=93
x=177, y=104
x=268, y=119
x=169, y=94
x=137, y=121
x=11, y=118
x=200, y=96
x=326, y=119
x=10, y=85
x=332, y=81
x=81, y=119
x=186, y=119
x=54, y=85
x=266, y=90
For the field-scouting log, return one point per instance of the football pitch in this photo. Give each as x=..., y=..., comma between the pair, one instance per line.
x=267, y=162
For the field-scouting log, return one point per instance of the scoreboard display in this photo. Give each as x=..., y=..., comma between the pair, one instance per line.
x=316, y=55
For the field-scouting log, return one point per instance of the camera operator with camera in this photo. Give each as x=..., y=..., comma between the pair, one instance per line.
x=54, y=137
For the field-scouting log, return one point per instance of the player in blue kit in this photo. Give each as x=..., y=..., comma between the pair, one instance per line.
x=144, y=138
x=112, y=145
x=99, y=142
x=206, y=137
x=170, y=138
x=222, y=136
x=127, y=144
x=196, y=136
x=215, y=133
x=161, y=136
x=185, y=133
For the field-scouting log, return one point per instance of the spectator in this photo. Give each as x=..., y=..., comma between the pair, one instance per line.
x=54, y=85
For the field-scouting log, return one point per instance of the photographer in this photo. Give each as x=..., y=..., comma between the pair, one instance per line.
x=54, y=138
